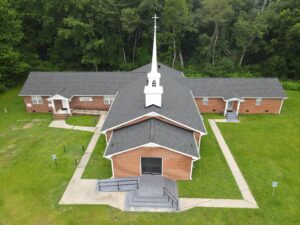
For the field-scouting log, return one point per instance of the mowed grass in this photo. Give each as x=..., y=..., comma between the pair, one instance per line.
x=266, y=148
x=83, y=120
x=98, y=167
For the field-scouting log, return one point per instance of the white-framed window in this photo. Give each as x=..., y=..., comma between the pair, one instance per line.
x=154, y=83
x=108, y=99
x=85, y=99
x=36, y=100
x=258, y=101
x=205, y=101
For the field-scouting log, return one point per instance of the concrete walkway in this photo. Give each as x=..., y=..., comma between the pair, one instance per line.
x=248, y=200
x=64, y=125
x=83, y=191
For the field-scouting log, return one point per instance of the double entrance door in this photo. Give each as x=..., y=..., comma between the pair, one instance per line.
x=152, y=166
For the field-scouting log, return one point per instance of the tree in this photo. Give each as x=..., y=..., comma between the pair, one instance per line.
x=130, y=24
x=12, y=65
x=216, y=11
x=176, y=19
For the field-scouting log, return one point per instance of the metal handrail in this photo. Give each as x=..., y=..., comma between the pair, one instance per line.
x=171, y=196
x=119, y=183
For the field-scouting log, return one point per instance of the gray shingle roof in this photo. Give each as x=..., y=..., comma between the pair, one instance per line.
x=153, y=131
x=68, y=84
x=177, y=104
x=234, y=87
x=163, y=69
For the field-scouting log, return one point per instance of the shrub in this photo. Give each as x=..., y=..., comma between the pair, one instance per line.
x=291, y=85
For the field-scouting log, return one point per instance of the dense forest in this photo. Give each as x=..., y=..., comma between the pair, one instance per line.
x=227, y=38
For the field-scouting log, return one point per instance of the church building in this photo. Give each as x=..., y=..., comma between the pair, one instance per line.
x=153, y=123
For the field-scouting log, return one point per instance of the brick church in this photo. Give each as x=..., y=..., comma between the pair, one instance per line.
x=154, y=123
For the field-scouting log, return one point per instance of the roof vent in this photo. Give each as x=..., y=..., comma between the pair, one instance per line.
x=152, y=130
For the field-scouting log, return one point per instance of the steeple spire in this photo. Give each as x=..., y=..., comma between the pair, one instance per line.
x=154, y=54
x=153, y=91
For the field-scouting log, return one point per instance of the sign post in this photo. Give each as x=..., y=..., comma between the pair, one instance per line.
x=274, y=185
x=54, y=158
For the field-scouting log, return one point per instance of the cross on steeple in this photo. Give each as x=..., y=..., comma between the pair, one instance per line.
x=155, y=18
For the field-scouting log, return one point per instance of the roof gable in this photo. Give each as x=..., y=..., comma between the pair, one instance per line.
x=150, y=133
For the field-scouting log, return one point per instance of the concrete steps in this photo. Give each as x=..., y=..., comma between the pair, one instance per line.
x=232, y=117
x=150, y=195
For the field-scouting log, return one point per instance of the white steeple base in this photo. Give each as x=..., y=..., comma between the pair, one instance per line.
x=153, y=96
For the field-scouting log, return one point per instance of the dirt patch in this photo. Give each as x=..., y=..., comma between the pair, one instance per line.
x=28, y=125
x=31, y=123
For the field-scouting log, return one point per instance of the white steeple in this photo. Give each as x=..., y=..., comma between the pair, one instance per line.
x=153, y=91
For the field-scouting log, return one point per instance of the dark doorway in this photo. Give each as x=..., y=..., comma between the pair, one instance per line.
x=151, y=166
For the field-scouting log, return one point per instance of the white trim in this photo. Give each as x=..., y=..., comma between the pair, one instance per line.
x=226, y=106
x=108, y=99
x=234, y=99
x=112, y=168
x=258, y=101
x=37, y=100
x=205, y=100
x=280, y=106
x=147, y=145
x=86, y=99
x=238, y=108
x=57, y=97
x=191, y=169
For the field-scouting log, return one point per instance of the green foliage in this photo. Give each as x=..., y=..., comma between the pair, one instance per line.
x=213, y=37
x=291, y=85
x=12, y=66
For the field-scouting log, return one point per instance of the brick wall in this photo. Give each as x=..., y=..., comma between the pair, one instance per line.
x=174, y=165
x=268, y=105
x=37, y=107
x=215, y=105
x=96, y=104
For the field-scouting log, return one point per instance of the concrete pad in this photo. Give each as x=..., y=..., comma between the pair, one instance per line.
x=188, y=203
x=62, y=124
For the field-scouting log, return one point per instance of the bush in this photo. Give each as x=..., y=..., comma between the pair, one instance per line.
x=291, y=85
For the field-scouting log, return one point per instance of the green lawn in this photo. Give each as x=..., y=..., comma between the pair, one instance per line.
x=83, y=120
x=98, y=167
x=266, y=148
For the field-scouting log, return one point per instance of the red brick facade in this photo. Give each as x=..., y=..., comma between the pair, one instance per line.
x=268, y=105
x=248, y=106
x=174, y=165
x=215, y=105
x=37, y=107
x=96, y=104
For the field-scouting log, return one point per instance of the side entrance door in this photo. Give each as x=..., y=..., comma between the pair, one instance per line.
x=230, y=106
x=151, y=166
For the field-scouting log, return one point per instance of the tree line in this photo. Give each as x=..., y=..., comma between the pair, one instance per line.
x=229, y=38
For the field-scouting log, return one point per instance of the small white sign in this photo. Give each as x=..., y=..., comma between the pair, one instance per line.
x=54, y=157
x=29, y=105
x=274, y=184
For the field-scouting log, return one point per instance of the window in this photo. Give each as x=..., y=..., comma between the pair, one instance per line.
x=108, y=99
x=36, y=100
x=258, y=101
x=85, y=99
x=205, y=101
x=154, y=83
